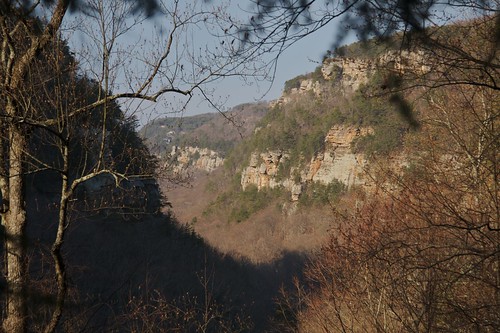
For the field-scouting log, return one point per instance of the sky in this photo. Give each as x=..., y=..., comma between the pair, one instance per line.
x=300, y=58
x=146, y=40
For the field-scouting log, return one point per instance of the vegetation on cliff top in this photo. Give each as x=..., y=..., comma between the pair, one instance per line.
x=299, y=127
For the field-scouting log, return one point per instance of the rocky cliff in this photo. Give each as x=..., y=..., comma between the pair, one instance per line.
x=351, y=73
x=182, y=160
x=335, y=162
x=262, y=170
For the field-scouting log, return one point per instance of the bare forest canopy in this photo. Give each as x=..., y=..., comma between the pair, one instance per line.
x=413, y=247
x=366, y=199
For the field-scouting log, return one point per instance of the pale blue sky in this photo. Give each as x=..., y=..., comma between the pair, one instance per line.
x=300, y=58
x=147, y=40
x=306, y=54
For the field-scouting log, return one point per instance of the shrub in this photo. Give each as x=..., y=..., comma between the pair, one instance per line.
x=294, y=83
x=385, y=140
x=319, y=194
x=241, y=205
x=250, y=201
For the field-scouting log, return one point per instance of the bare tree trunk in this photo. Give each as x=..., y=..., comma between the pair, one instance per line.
x=60, y=267
x=15, y=223
x=16, y=67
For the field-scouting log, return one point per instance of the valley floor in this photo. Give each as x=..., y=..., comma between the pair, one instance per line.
x=267, y=235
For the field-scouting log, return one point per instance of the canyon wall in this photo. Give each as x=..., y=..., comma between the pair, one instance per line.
x=334, y=162
x=182, y=160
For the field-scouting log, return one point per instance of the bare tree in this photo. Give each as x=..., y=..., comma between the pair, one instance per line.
x=207, y=313
x=45, y=103
x=16, y=64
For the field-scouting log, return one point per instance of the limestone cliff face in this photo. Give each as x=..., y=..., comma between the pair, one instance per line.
x=335, y=162
x=306, y=86
x=182, y=160
x=262, y=170
x=405, y=61
x=351, y=73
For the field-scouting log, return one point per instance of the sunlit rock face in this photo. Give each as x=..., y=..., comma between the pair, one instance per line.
x=351, y=73
x=182, y=160
x=262, y=170
x=403, y=61
x=335, y=163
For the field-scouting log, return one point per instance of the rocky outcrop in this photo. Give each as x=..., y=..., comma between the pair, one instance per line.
x=181, y=160
x=306, y=86
x=403, y=61
x=335, y=162
x=351, y=73
x=262, y=170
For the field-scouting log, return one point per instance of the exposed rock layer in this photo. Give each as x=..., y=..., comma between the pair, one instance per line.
x=182, y=159
x=335, y=162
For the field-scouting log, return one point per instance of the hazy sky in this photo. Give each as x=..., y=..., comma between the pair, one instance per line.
x=302, y=57
x=146, y=40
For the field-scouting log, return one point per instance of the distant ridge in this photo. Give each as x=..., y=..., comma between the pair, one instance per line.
x=215, y=131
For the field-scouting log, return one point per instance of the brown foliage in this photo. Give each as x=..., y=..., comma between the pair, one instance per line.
x=424, y=255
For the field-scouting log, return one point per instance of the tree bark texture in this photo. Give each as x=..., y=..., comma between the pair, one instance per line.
x=16, y=63
x=15, y=224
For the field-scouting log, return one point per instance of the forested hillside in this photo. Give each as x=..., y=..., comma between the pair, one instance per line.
x=216, y=131
x=384, y=161
x=365, y=199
